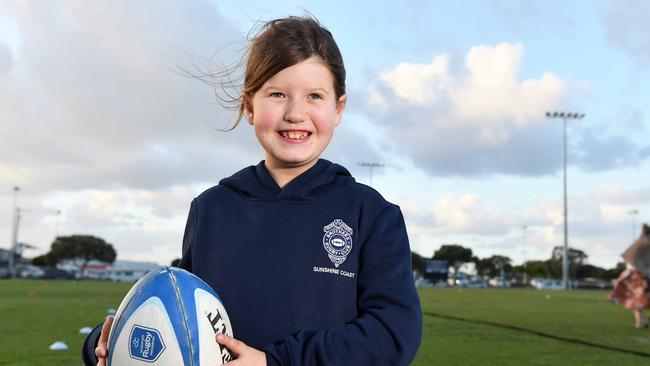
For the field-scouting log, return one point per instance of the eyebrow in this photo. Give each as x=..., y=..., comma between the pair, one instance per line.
x=310, y=90
x=319, y=89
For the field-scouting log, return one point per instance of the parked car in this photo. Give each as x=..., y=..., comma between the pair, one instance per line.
x=547, y=284
x=58, y=274
x=30, y=271
x=499, y=282
x=475, y=283
x=425, y=282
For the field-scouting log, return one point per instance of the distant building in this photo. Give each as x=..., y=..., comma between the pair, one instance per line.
x=4, y=263
x=19, y=262
x=129, y=270
x=119, y=270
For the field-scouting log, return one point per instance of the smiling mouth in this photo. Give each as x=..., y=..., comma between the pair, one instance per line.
x=295, y=135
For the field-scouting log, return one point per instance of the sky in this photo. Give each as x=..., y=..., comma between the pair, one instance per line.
x=106, y=134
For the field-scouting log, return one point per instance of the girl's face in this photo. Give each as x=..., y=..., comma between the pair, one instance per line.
x=294, y=114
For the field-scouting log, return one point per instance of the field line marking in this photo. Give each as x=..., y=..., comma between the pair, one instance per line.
x=538, y=333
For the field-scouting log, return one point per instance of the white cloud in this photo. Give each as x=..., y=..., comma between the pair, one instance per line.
x=133, y=221
x=600, y=224
x=419, y=84
x=97, y=123
x=96, y=101
x=480, y=119
x=614, y=194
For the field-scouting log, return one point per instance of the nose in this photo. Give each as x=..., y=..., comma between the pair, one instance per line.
x=295, y=112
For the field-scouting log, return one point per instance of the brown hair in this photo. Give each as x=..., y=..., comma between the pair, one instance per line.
x=279, y=44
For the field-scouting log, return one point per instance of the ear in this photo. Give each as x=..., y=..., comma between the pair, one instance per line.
x=248, y=109
x=340, y=107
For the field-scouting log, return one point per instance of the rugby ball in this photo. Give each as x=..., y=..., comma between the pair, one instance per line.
x=169, y=318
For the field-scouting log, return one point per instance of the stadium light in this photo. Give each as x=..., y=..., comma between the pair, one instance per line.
x=15, y=212
x=524, y=227
x=565, y=256
x=370, y=167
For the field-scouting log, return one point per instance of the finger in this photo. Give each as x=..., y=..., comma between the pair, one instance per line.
x=101, y=353
x=235, y=362
x=235, y=346
x=106, y=328
x=101, y=350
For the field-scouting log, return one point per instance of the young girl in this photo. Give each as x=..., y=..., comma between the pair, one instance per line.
x=632, y=287
x=313, y=268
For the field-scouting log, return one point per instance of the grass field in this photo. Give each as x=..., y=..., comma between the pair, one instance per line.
x=461, y=326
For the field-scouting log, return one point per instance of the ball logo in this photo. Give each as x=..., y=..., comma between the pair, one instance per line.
x=337, y=241
x=219, y=326
x=146, y=344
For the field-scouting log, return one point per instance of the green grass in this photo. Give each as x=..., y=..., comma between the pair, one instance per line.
x=35, y=314
x=461, y=327
x=529, y=327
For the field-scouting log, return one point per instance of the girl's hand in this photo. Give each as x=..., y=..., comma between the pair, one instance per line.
x=102, y=351
x=244, y=355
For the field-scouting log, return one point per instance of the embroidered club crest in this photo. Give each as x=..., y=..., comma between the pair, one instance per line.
x=337, y=241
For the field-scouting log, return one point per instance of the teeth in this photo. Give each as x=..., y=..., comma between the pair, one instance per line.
x=294, y=135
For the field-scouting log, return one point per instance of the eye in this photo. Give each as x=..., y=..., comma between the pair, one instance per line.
x=315, y=96
x=276, y=95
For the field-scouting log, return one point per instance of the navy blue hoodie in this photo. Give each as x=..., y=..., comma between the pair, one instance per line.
x=315, y=273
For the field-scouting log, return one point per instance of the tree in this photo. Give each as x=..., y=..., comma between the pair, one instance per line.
x=455, y=255
x=417, y=262
x=493, y=266
x=577, y=259
x=176, y=262
x=587, y=270
x=537, y=269
x=84, y=247
x=613, y=273
x=41, y=261
x=483, y=266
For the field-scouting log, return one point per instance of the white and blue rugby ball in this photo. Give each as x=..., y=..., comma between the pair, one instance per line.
x=169, y=318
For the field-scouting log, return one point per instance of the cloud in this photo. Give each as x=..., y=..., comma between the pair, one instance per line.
x=6, y=60
x=600, y=224
x=614, y=195
x=626, y=28
x=531, y=15
x=480, y=118
x=465, y=214
x=474, y=119
x=597, y=152
x=133, y=221
x=94, y=99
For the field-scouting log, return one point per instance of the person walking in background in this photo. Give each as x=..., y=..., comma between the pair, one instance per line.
x=632, y=287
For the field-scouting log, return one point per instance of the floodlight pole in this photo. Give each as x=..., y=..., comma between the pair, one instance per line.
x=370, y=167
x=58, y=223
x=14, y=233
x=525, y=262
x=565, y=256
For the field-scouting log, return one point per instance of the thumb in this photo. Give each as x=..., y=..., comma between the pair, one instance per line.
x=235, y=346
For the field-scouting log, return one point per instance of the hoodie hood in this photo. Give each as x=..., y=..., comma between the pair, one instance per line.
x=255, y=182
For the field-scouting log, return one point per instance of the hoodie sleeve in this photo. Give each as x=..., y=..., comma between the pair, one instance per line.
x=388, y=327
x=188, y=237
